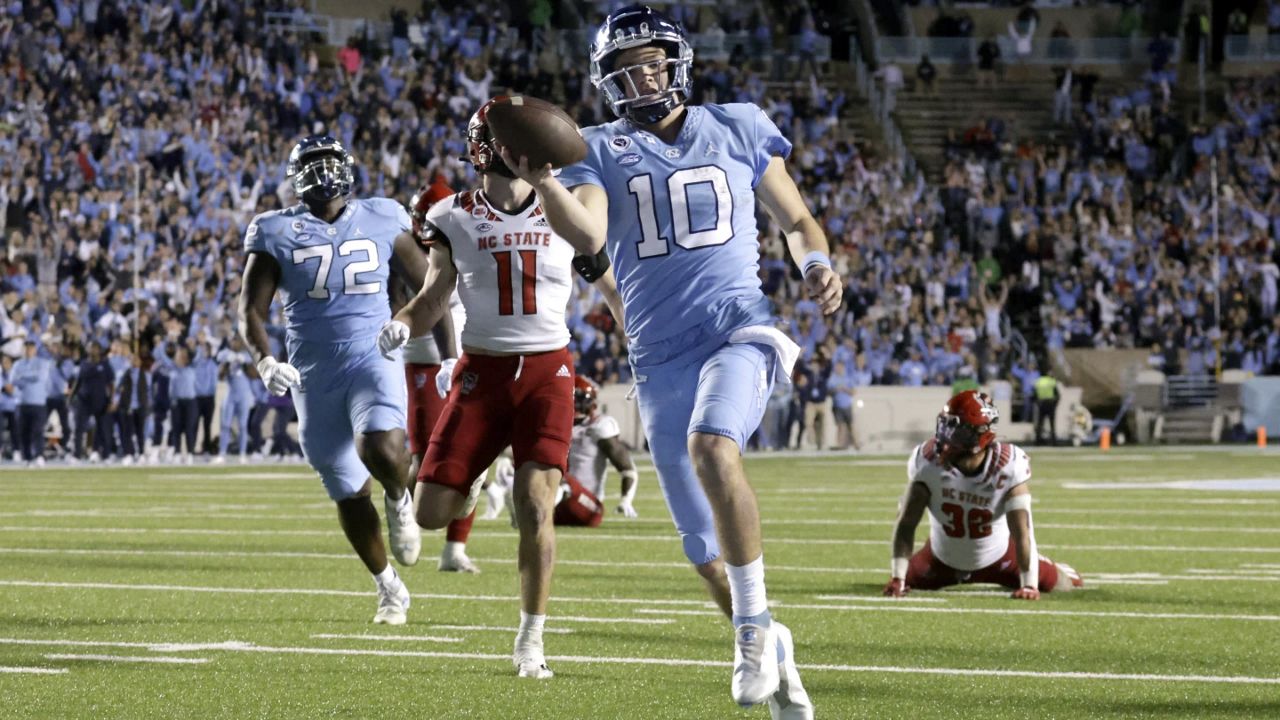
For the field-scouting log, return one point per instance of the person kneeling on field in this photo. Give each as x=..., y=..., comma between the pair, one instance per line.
x=979, y=502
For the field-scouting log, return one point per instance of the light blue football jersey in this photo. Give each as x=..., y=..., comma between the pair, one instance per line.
x=682, y=217
x=333, y=277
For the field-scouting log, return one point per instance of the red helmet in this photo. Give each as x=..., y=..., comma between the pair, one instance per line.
x=965, y=425
x=585, y=393
x=422, y=201
x=480, y=148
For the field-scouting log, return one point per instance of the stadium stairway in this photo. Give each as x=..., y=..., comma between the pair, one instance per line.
x=957, y=103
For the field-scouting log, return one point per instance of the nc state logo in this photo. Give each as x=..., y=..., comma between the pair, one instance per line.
x=419, y=380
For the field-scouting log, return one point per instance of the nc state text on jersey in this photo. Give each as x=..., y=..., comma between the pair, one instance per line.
x=517, y=239
x=964, y=497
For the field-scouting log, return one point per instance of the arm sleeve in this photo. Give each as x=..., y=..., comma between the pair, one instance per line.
x=592, y=267
x=768, y=142
x=605, y=427
x=254, y=238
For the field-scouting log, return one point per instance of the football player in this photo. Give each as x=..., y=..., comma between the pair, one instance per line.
x=595, y=445
x=514, y=382
x=330, y=256
x=671, y=190
x=979, y=501
x=427, y=367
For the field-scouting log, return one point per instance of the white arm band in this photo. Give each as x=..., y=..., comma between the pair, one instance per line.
x=634, y=477
x=898, y=567
x=1031, y=576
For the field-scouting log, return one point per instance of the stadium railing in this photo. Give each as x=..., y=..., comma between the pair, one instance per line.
x=1044, y=51
x=1250, y=48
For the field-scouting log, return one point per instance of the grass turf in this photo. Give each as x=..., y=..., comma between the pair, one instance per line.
x=127, y=562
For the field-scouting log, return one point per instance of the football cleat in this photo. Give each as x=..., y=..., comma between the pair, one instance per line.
x=790, y=702
x=755, y=664
x=393, y=605
x=1068, y=578
x=402, y=529
x=457, y=562
x=529, y=659
x=497, y=496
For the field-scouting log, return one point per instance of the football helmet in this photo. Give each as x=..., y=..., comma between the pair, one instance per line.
x=637, y=26
x=320, y=169
x=481, y=151
x=965, y=425
x=585, y=394
x=421, y=202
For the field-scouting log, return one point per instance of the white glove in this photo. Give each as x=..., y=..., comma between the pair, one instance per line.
x=444, y=378
x=392, y=335
x=278, y=376
x=625, y=509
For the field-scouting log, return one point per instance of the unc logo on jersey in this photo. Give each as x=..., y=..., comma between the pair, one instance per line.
x=672, y=153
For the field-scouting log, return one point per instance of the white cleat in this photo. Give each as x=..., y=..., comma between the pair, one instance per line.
x=755, y=664
x=393, y=605
x=244, y=459
x=219, y=460
x=39, y=461
x=457, y=562
x=402, y=529
x=529, y=659
x=790, y=702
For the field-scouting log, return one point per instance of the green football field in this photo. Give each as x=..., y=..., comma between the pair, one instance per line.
x=160, y=592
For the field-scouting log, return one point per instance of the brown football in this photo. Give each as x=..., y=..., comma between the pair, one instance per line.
x=537, y=130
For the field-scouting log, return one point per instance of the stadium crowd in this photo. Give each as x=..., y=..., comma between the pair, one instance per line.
x=138, y=139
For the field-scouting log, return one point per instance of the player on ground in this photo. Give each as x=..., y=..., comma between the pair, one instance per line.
x=671, y=190
x=514, y=382
x=979, y=502
x=424, y=361
x=330, y=257
x=595, y=446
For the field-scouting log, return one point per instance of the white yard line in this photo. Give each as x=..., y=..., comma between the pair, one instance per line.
x=499, y=628
x=11, y=669
x=609, y=620
x=885, y=607
x=160, y=659
x=697, y=663
x=403, y=638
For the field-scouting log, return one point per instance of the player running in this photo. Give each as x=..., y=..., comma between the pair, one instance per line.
x=514, y=382
x=330, y=257
x=979, y=502
x=671, y=191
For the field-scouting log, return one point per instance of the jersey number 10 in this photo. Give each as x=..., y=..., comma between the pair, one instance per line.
x=652, y=244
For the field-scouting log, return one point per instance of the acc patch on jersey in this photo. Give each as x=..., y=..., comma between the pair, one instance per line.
x=619, y=143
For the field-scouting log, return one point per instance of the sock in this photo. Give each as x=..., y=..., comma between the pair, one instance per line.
x=454, y=549
x=387, y=578
x=531, y=625
x=747, y=595
x=459, y=530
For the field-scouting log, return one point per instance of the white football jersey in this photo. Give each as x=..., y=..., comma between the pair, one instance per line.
x=968, y=530
x=587, y=464
x=515, y=276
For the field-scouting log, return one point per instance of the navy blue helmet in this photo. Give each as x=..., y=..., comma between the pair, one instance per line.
x=320, y=169
x=638, y=26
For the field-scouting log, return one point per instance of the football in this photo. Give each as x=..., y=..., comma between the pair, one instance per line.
x=537, y=130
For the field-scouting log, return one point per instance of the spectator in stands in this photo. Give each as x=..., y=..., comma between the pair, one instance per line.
x=926, y=73
x=1047, y=397
x=988, y=55
x=1062, y=79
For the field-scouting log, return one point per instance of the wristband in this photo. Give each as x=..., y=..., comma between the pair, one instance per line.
x=1031, y=578
x=816, y=257
x=898, y=568
x=635, y=482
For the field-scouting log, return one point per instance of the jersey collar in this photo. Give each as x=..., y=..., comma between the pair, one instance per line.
x=692, y=119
